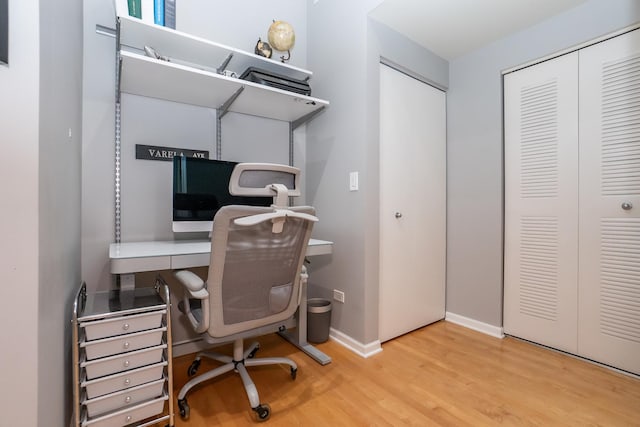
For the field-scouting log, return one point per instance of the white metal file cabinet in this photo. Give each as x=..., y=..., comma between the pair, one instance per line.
x=122, y=357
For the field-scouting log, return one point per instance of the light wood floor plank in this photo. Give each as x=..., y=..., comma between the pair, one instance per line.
x=440, y=375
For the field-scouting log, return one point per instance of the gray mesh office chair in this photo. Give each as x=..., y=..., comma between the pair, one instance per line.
x=255, y=276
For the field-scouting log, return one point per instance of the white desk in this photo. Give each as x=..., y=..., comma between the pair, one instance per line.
x=129, y=258
x=136, y=257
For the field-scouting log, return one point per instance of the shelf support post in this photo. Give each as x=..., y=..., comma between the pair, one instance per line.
x=291, y=129
x=220, y=112
x=118, y=208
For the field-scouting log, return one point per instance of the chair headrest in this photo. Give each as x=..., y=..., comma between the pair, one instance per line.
x=265, y=179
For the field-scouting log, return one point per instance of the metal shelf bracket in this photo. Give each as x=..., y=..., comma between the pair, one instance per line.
x=306, y=118
x=223, y=66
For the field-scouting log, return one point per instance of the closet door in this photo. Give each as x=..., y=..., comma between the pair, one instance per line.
x=541, y=203
x=609, y=297
x=412, y=203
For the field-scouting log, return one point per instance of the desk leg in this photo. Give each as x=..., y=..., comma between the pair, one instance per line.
x=127, y=282
x=300, y=337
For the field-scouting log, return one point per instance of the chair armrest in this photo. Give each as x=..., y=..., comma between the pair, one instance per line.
x=193, y=283
x=195, y=286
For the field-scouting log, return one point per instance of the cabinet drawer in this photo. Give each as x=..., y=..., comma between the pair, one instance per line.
x=128, y=397
x=99, y=329
x=128, y=415
x=123, y=362
x=123, y=380
x=122, y=343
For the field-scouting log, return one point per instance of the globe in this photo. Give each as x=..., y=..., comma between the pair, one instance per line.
x=281, y=36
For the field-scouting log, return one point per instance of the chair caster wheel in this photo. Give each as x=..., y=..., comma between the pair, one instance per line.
x=262, y=412
x=183, y=406
x=253, y=352
x=294, y=373
x=193, y=368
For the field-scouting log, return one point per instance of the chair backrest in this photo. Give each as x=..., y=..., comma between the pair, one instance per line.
x=255, y=268
x=254, y=273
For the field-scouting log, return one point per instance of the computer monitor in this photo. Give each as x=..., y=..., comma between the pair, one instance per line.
x=200, y=188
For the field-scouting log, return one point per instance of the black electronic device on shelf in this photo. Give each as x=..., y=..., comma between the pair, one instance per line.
x=275, y=80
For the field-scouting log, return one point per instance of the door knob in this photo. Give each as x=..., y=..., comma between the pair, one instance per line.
x=398, y=215
x=626, y=206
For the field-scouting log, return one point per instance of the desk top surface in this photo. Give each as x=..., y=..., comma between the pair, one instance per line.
x=175, y=247
x=134, y=257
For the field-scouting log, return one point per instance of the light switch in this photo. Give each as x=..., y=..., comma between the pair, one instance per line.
x=353, y=181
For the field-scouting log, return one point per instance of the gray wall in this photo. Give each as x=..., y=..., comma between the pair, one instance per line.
x=40, y=103
x=59, y=202
x=344, y=139
x=474, y=157
x=18, y=226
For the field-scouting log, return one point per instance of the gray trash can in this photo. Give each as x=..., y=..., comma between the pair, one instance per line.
x=318, y=319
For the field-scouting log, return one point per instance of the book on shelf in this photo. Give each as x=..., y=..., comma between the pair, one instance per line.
x=141, y=9
x=135, y=8
x=170, y=14
x=158, y=12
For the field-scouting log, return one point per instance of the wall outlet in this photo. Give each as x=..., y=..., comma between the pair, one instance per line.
x=338, y=295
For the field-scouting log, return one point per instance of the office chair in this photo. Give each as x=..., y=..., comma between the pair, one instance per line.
x=255, y=276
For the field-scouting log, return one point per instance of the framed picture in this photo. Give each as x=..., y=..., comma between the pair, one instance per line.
x=4, y=31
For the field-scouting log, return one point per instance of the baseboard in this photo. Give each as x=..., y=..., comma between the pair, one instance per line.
x=363, y=350
x=189, y=346
x=485, y=328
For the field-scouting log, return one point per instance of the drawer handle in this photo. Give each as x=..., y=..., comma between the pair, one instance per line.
x=126, y=345
x=127, y=399
x=126, y=363
x=128, y=418
x=125, y=327
x=127, y=381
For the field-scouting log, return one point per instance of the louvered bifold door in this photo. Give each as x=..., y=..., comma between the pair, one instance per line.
x=541, y=202
x=609, y=297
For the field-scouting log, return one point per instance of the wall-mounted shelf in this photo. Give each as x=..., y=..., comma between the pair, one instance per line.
x=191, y=74
x=135, y=33
x=194, y=75
x=145, y=76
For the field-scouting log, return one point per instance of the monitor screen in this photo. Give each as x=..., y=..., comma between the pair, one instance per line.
x=200, y=188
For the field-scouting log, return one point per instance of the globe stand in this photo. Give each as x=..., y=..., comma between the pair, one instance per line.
x=283, y=59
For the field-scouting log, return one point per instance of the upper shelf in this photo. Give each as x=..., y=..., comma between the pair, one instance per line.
x=155, y=78
x=190, y=75
x=190, y=49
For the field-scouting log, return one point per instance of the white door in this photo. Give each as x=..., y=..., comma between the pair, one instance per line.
x=412, y=203
x=541, y=203
x=609, y=298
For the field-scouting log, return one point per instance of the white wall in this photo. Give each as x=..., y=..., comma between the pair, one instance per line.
x=59, y=202
x=40, y=260
x=345, y=48
x=19, y=218
x=475, y=173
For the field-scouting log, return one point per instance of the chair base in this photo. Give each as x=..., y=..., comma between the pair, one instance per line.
x=239, y=362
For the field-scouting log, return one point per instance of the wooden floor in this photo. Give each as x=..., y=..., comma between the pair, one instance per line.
x=440, y=375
